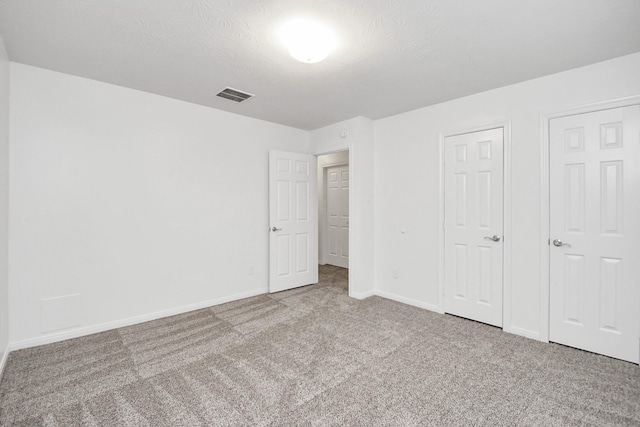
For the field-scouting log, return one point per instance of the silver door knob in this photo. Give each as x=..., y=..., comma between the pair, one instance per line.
x=495, y=238
x=558, y=242
x=276, y=229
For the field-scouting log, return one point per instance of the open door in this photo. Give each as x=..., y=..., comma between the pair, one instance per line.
x=293, y=220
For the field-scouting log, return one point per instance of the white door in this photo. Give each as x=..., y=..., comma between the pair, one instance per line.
x=338, y=216
x=595, y=232
x=293, y=220
x=473, y=225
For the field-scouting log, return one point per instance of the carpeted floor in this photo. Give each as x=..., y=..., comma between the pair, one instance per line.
x=313, y=356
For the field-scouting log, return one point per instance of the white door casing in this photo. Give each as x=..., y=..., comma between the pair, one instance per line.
x=337, y=214
x=293, y=220
x=473, y=229
x=594, y=264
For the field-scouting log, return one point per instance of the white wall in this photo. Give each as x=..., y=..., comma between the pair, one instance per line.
x=324, y=161
x=359, y=142
x=4, y=204
x=407, y=181
x=130, y=205
x=143, y=206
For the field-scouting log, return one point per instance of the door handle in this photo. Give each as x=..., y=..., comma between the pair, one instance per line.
x=494, y=238
x=276, y=229
x=558, y=242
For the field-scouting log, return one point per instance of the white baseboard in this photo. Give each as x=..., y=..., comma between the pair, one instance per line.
x=3, y=362
x=409, y=301
x=524, y=332
x=535, y=335
x=362, y=295
x=88, y=330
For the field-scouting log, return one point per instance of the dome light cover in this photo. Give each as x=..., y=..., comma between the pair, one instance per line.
x=308, y=41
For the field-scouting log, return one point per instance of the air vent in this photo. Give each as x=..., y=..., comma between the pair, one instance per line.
x=234, y=95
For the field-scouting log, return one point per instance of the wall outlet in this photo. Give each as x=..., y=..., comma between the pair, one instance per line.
x=395, y=273
x=251, y=270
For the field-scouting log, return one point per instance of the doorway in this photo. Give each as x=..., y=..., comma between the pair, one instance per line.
x=333, y=208
x=297, y=216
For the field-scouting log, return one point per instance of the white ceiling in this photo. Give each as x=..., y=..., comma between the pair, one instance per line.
x=394, y=55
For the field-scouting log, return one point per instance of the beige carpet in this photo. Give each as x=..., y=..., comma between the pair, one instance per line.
x=313, y=356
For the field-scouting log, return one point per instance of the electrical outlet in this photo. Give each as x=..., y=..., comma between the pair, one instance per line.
x=395, y=273
x=251, y=270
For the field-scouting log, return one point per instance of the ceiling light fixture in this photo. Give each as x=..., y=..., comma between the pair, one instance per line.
x=308, y=41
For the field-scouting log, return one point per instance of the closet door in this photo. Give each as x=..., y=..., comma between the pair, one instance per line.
x=474, y=225
x=338, y=216
x=595, y=231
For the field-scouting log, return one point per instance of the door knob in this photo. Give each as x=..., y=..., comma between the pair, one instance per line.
x=558, y=242
x=276, y=229
x=495, y=238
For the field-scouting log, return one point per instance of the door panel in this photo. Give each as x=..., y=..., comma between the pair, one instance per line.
x=293, y=210
x=594, y=211
x=473, y=215
x=338, y=216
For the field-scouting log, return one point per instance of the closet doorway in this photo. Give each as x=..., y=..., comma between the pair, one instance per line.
x=334, y=209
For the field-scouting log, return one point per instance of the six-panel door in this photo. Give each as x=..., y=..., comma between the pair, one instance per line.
x=293, y=220
x=595, y=231
x=338, y=216
x=474, y=225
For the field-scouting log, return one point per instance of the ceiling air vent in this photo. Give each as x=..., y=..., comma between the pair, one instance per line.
x=234, y=95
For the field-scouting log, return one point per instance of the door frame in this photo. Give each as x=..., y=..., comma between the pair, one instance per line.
x=506, y=212
x=350, y=162
x=545, y=193
x=322, y=224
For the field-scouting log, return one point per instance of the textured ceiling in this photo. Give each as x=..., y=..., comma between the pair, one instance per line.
x=394, y=55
